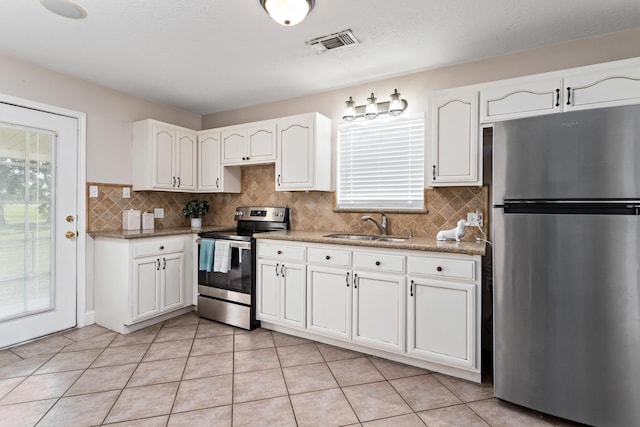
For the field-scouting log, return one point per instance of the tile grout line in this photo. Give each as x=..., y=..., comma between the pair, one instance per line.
x=286, y=386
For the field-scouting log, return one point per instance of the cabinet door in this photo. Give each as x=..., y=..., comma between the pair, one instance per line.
x=186, y=160
x=524, y=99
x=329, y=301
x=378, y=310
x=441, y=321
x=163, y=152
x=293, y=294
x=267, y=290
x=261, y=144
x=209, y=166
x=145, y=289
x=172, y=285
x=295, y=163
x=233, y=151
x=602, y=89
x=454, y=139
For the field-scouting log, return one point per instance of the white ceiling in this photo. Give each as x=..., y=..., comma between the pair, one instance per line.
x=208, y=56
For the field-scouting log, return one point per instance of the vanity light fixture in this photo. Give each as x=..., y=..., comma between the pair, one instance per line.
x=288, y=12
x=65, y=8
x=394, y=107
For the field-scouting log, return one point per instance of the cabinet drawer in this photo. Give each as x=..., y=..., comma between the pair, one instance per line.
x=442, y=267
x=379, y=262
x=161, y=246
x=294, y=253
x=330, y=257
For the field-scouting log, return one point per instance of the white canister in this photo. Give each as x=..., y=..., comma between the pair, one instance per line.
x=131, y=219
x=147, y=221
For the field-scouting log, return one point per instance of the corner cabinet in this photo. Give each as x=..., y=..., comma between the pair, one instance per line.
x=415, y=307
x=453, y=139
x=212, y=176
x=303, y=159
x=250, y=144
x=141, y=281
x=164, y=157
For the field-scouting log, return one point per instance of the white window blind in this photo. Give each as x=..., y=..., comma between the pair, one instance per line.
x=381, y=163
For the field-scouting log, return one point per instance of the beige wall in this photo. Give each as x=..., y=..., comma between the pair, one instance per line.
x=109, y=114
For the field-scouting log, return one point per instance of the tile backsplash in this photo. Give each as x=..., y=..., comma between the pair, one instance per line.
x=313, y=211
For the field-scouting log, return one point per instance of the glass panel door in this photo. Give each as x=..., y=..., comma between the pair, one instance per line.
x=26, y=187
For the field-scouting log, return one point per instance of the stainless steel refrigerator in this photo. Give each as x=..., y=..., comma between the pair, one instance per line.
x=566, y=232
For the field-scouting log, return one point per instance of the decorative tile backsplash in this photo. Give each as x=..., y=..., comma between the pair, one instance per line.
x=313, y=211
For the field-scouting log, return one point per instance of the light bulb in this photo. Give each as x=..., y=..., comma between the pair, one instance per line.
x=396, y=106
x=371, y=110
x=349, y=110
x=287, y=12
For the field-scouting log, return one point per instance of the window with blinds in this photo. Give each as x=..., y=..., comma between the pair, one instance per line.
x=381, y=164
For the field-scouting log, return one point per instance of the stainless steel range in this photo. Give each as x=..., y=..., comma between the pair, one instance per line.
x=227, y=265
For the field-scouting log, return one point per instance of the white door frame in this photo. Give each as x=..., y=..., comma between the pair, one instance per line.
x=81, y=288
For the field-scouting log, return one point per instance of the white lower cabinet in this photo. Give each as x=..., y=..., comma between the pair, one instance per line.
x=329, y=301
x=441, y=321
x=378, y=310
x=137, y=280
x=416, y=307
x=281, y=285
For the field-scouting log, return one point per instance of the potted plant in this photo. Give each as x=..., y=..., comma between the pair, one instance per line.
x=195, y=209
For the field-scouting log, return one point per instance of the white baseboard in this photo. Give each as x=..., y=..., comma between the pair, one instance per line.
x=89, y=318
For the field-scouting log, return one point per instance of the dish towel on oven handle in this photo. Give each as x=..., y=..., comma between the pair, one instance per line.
x=206, y=254
x=222, y=256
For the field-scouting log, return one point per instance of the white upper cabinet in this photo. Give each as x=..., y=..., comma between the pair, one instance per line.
x=164, y=157
x=603, y=85
x=528, y=97
x=453, y=139
x=212, y=176
x=304, y=153
x=253, y=143
x=605, y=88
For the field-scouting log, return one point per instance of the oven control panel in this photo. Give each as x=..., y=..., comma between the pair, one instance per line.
x=271, y=214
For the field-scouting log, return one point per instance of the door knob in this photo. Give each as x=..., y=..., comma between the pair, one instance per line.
x=69, y=218
x=69, y=234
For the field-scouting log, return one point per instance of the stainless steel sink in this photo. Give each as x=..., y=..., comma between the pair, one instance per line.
x=353, y=236
x=366, y=237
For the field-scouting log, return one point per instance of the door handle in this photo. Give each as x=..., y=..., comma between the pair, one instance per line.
x=69, y=234
x=70, y=218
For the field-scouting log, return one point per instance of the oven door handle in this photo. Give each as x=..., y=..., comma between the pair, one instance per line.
x=233, y=244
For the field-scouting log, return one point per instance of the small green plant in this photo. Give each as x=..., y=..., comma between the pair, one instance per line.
x=195, y=208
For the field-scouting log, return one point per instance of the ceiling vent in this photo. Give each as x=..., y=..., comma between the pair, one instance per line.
x=334, y=41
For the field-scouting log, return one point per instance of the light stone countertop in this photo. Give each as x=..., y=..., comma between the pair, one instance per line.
x=416, y=243
x=157, y=232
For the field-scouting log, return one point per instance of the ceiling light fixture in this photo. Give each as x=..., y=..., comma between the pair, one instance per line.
x=288, y=12
x=394, y=107
x=64, y=8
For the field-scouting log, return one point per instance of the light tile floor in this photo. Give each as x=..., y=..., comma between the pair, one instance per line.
x=189, y=371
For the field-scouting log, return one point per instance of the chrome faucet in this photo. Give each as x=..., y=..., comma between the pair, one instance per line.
x=382, y=225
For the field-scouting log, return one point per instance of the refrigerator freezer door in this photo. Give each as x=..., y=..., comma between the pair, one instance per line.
x=567, y=315
x=580, y=155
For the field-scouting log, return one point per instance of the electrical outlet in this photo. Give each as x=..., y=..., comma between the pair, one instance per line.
x=158, y=213
x=126, y=193
x=93, y=191
x=474, y=219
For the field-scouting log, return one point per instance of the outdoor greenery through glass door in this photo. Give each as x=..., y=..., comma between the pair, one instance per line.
x=26, y=185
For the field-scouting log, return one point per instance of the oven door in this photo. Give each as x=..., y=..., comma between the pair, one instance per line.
x=235, y=285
